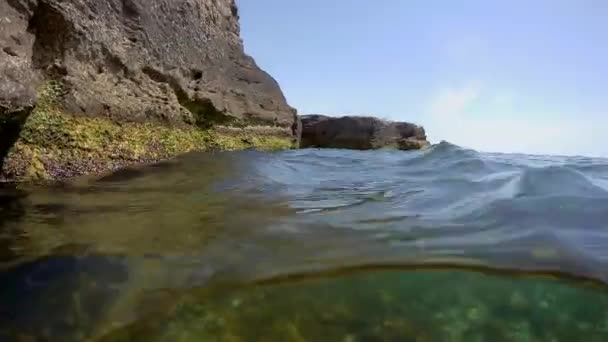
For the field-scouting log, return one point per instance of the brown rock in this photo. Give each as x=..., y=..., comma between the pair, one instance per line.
x=360, y=133
x=17, y=78
x=173, y=62
x=168, y=60
x=412, y=143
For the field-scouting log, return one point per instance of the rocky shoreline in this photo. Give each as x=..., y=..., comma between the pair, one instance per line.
x=360, y=133
x=88, y=87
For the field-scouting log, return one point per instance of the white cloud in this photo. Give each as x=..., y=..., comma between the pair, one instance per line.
x=504, y=97
x=454, y=101
x=481, y=118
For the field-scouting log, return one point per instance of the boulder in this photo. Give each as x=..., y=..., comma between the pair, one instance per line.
x=88, y=63
x=360, y=133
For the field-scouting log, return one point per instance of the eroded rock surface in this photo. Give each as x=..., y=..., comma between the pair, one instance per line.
x=173, y=62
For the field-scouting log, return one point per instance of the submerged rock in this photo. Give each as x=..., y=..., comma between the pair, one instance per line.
x=76, y=75
x=360, y=133
x=76, y=289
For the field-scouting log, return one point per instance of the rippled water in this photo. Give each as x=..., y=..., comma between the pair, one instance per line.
x=445, y=244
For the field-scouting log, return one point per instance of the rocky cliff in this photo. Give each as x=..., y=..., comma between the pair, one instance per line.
x=87, y=86
x=360, y=133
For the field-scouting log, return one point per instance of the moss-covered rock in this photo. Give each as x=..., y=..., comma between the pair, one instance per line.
x=54, y=145
x=137, y=60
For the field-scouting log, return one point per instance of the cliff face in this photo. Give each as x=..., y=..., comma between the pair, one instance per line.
x=360, y=133
x=114, y=70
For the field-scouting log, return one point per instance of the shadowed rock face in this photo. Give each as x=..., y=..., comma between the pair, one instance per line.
x=360, y=133
x=172, y=62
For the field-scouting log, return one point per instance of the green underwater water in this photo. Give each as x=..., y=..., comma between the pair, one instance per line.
x=408, y=305
x=443, y=245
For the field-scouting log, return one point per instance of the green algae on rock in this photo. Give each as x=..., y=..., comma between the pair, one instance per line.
x=128, y=85
x=58, y=146
x=423, y=305
x=55, y=145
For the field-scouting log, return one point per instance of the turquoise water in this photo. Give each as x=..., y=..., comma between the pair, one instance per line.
x=446, y=244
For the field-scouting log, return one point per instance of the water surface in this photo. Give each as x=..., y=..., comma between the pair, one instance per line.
x=446, y=244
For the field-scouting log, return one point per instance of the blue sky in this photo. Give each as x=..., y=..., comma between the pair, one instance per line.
x=506, y=76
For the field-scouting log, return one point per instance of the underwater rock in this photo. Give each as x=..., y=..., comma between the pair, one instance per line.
x=75, y=289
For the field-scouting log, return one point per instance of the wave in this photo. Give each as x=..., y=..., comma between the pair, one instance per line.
x=249, y=218
x=322, y=210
